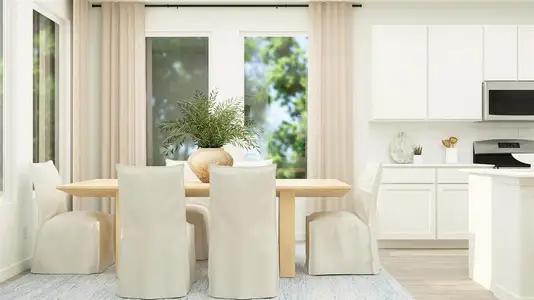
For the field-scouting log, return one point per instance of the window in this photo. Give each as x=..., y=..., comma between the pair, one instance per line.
x=251, y=53
x=176, y=68
x=45, y=89
x=276, y=76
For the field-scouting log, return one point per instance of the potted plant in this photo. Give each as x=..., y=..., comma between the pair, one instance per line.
x=210, y=124
x=418, y=154
x=451, y=153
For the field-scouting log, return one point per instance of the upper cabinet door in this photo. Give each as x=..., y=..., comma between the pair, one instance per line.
x=399, y=72
x=526, y=53
x=455, y=72
x=500, y=53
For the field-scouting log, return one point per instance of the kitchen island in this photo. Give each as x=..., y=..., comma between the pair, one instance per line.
x=501, y=227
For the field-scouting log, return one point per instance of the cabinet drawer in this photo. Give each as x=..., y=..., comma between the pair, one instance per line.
x=408, y=175
x=451, y=175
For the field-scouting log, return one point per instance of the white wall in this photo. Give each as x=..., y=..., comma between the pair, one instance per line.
x=16, y=206
x=59, y=8
x=372, y=139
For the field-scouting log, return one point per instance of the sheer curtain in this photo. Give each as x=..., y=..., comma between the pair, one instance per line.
x=123, y=106
x=80, y=92
x=122, y=114
x=330, y=98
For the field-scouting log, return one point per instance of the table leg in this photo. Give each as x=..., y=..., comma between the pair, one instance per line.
x=117, y=233
x=286, y=234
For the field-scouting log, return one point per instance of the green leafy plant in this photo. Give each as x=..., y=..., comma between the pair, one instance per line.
x=210, y=123
x=417, y=150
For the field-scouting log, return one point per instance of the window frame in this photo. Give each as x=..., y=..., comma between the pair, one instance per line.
x=63, y=85
x=5, y=53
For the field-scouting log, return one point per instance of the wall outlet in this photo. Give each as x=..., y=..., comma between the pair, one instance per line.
x=25, y=232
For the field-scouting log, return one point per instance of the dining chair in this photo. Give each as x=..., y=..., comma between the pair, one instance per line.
x=197, y=212
x=157, y=252
x=243, y=257
x=253, y=163
x=258, y=163
x=342, y=242
x=67, y=242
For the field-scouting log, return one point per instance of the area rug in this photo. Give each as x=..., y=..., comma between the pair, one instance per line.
x=303, y=287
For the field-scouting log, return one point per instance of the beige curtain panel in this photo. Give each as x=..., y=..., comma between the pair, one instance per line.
x=80, y=92
x=330, y=98
x=123, y=107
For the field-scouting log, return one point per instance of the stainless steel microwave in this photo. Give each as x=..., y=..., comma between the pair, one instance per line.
x=508, y=101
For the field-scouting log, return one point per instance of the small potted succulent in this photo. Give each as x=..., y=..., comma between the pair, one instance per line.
x=418, y=154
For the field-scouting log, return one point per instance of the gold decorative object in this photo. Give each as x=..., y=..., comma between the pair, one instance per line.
x=450, y=143
x=453, y=141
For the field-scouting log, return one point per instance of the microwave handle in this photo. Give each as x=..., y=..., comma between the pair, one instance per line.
x=485, y=101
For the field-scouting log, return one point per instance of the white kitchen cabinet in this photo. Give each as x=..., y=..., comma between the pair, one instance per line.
x=428, y=203
x=526, y=52
x=409, y=175
x=452, y=211
x=500, y=52
x=399, y=72
x=407, y=211
x=455, y=58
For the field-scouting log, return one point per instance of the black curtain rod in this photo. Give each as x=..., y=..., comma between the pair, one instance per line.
x=227, y=5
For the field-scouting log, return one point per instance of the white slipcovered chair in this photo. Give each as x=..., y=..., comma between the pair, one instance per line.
x=197, y=212
x=243, y=262
x=342, y=242
x=157, y=252
x=67, y=242
x=253, y=163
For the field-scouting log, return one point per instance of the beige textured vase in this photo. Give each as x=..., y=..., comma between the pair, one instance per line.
x=203, y=157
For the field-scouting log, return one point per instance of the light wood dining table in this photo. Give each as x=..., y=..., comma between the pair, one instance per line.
x=286, y=190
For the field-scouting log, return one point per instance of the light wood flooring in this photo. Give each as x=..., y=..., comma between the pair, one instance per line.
x=433, y=274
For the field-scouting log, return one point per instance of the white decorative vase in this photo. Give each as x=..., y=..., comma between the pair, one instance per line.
x=401, y=149
x=418, y=159
x=451, y=155
x=200, y=160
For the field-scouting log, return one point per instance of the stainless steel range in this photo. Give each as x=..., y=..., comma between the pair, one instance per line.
x=499, y=152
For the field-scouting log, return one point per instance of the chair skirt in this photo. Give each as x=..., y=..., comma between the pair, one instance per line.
x=78, y=242
x=197, y=213
x=339, y=243
x=161, y=272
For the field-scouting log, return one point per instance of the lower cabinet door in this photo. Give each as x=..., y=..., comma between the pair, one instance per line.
x=453, y=211
x=407, y=212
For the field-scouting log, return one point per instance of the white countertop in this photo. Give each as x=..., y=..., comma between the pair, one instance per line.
x=514, y=173
x=465, y=166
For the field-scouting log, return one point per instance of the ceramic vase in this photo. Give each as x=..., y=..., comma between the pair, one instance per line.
x=451, y=155
x=401, y=149
x=200, y=160
x=418, y=159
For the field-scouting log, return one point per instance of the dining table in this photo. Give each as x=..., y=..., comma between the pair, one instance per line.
x=287, y=190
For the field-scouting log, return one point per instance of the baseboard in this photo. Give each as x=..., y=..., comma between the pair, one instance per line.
x=409, y=244
x=503, y=294
x=423, y=244
x=14, y=269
